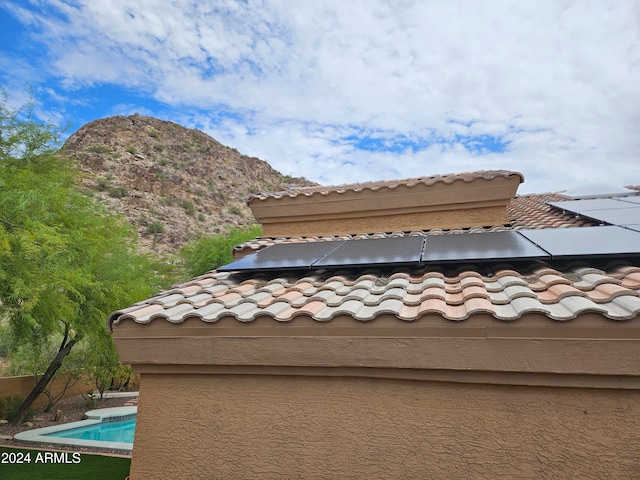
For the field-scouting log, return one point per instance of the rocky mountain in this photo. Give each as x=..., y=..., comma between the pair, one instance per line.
x=171, y=182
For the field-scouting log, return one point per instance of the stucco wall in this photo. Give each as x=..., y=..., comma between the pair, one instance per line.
x=246, y=426
x=22, y=385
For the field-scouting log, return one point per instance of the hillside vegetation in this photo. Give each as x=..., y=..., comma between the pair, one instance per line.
x=172, y=183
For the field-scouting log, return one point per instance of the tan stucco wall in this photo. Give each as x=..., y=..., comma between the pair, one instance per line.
x=21, y=386
x=265, y=426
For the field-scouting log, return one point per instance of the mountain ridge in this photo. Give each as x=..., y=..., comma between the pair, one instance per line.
x=170, y=182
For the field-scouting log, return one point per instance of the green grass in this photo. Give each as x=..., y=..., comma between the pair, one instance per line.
x=44, y=465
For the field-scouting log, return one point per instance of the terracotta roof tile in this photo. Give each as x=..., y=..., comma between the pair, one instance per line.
x=560, y=294
x=606, y=292
x=557, y=292
x=389, y=184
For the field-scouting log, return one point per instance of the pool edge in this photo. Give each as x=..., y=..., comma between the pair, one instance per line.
x=38, y=435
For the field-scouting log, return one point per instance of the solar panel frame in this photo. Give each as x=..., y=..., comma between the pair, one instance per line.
x=635, y=200
x=374, y=251
x=283, y=256
x=481, y=247
x=593, y=242
x=621, y=217
x=589, y=205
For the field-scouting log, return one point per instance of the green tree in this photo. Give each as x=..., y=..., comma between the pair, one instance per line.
x=210, y=252
x=65, y=263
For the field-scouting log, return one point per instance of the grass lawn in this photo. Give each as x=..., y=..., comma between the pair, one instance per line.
x=39, y=465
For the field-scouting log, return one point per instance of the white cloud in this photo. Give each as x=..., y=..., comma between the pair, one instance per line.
x=559, y=81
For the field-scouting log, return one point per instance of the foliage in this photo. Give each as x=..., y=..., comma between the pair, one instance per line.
x=33, y=359
x=23, y=137
x=101, y=361
x=10, y=405
x=118, y=192
x=210, y=252
x=188, y=207
x=235, y=209
x=5, y=340
x=65, y=263
x=155, y=227
x=99, y=149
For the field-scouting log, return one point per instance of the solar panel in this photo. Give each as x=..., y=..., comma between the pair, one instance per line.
x=283, y=256
x=631, y=199
x=593, y=242
x=475, y=247
x=625, y=216
x=374, y=251
x=579, y=206
x=598, y=190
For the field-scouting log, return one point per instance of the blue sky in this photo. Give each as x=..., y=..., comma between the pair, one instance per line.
x=347, y=91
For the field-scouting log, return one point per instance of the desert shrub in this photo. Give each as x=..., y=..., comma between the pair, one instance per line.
x=9, y=407
x=188, y=207
x=235, y=209
x=155, y=227
x=118, y=192
x=99, y=149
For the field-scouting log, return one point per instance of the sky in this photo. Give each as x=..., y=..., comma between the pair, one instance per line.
x=344, y=91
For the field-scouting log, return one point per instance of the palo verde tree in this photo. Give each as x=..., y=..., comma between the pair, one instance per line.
x=65, y=264
x=210, y=252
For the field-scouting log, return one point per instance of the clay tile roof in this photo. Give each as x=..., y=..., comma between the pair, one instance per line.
x=389, y=184
x=559, y=294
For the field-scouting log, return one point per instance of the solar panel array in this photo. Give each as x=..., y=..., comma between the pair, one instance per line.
x=622, y=211
x=522, y=245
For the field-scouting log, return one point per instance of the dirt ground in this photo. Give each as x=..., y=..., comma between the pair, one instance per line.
x=71, y=409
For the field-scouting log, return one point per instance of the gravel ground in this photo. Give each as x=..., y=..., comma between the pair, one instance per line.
x=71, y=409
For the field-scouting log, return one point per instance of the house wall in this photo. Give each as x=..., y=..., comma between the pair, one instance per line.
x=270, y=426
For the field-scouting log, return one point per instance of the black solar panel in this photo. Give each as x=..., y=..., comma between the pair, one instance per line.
x=521, y=245
x=480, y=247
x=593, y=241
x=579, y=206
x=626, y=216
x=375, y=251
x=635, y=200
x=283, y=256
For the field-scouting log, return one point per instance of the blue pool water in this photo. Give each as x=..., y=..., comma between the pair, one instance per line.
x=121, y=431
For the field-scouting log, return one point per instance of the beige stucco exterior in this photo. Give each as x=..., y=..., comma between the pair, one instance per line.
x=421, y=206
x=268, y=427
x=22, y=385
x=385, y=399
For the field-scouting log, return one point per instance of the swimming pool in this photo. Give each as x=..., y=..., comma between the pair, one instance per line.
x=105, y=431
x=111, y=428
